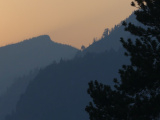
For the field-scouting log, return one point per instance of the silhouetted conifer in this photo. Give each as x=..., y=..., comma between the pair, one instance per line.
x=137, y=95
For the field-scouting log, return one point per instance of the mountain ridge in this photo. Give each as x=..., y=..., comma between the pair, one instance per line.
x=59, y=91
x=20, y=58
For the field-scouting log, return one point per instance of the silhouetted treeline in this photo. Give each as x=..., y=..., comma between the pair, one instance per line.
x=111, y=37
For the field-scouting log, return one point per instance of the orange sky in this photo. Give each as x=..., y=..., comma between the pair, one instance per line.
x=73, y=22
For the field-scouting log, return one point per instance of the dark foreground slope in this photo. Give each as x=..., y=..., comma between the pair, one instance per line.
x=60, y=90
x=20, y=58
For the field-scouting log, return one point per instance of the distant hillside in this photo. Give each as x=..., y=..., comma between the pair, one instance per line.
x=9, y=100
x=111, y=38
x=60, y=90
x=18, y=59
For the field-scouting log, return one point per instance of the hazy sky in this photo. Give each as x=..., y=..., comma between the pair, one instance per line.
x=73, y=22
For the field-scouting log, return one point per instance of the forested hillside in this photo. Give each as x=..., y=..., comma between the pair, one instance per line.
x=59, y=90
x=111, y=37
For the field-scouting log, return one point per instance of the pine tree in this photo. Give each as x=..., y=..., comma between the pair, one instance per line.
x=137, y=95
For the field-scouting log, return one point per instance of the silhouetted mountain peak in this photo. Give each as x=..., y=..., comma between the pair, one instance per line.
x=46, y=37
x=40, y=40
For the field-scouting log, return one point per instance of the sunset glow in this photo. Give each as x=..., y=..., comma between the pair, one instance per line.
x=73, y=22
